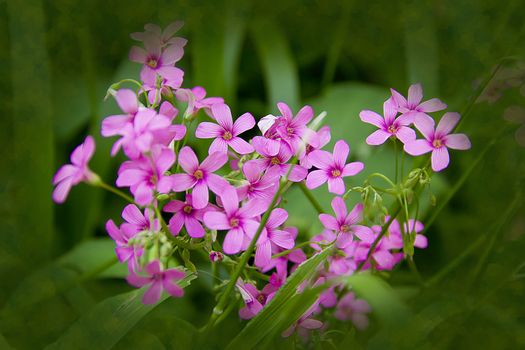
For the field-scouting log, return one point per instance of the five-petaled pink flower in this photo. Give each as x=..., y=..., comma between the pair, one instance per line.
x=129, y=104
x=344, y=222
x=197, y=100
x=261, y=184
x=332, y=168
x=125, y=251
x=356, y=310
x=254, y=299
x=136, y=221
x=241, y=222
x=158, y=280
x=200, y=177
x=165, y=37
x=412, y=106
x=226, y=132
x=186, y=215
x=437, y=140
x=78, y=171
x=324, y=137
x=157, y=60
x=294, y=130
x=389, y=126
x=278, y=161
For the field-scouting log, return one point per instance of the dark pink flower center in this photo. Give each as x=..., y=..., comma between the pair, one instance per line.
x=345, y=228
x=290, y=131
x=261, y=298
x=234, y=222
x=437, y=143
x=227, y=136
x=275, y=161
x=336, y=172
x=187, y=209
x=392, y=129
x=198, y=174
x=152, y=61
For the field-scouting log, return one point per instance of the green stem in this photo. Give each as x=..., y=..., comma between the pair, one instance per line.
x=113, y=190
x=396, y=162
x=286, y=252
x=381, y=176
x=311, y=198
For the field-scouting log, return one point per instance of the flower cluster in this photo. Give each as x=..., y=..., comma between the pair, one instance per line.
x=228, y=201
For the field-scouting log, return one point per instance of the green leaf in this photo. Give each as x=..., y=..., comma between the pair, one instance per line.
x=109, y=321
x=279, y=312
x=280, y=70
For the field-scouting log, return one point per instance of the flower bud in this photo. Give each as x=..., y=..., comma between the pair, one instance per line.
x=216, y=256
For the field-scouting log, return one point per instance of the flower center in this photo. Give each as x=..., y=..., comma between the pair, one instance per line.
x=261, y=298
x=345, y=228
x=336, y=172
x=187, y=209
x=392, y=129
x=437, y=143
x=275, y=161
x=227, y=136
x=152, y=62
x=290, y=131
x=234, y=222
x=198, y=174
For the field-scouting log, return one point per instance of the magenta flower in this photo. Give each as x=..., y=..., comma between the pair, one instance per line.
x=296, y=257
x=254, y=299
x=383, y=257
x=78, y=171
x=158, y=280
x=389, y=126
x=272, y=236
x=129, y=104
x=344, y=222
x=241, y=222
x=262, y=185
x=342, y=262
x=394, y=240
x=351, y=309
x=156, y=60
x=332, y=168
x=171, y=79
x=148, y=129
x=165, y=37
x=279, y=160
x=294, y=130
x=136, y=221
x=197, y=100
x=186, y=215
x=412, y=106
x=125, y=251
x=199, y=177
x=437, y=140
x=304, y=324
x=146, y=175
x=324, y=137
x=226, y=132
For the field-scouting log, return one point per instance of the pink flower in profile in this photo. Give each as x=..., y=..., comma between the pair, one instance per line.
x=78, y=171
x=186, y=215
x=324, y=137
x=241, y=222
x=165, y=37
x=389, y=126
x=226, y=132
x=278, y=161
x=197, y=100
x=437, y=140
x=272, y=236
x=125, y=251
x=129, y=104
x=158, y=280
x=332, y=168
x=254, y=299
x=304, y=324
x=295, y=257
x=200, y=177
x=294, y=130
x=351, y=309
x=147, y=129
x=146, y=175
x=262, y=185
x=344, y=222
x=136, y=221
x=412, y=106
x=156, y=59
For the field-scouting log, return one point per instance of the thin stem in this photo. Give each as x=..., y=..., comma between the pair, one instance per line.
x=396, y=156
x=113, y=190
x=381, y=176
x=286, y=252
x=311, y=198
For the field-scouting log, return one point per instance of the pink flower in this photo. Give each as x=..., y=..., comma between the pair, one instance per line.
x=332, y=168
x=272, y=236
x=437, y=140
x=165, y=37
x=156, y=59
x=342, y=262
x=253, y=299
x=344, y=222
x=147, y=129
x=129, y=104
x=412, y=106
x=199, y=177
x=296, y=257
x=70, y=175
x=324, y=138
x=226, y=132
x=186, y=215
x=304, y=324
x=125, y=251
x=394, y=240
x=262, y=185
x=279, y=160
x=241, y=222
x=383, y=257
x=294, y=130
x=158, y=280
x=389, y=126
x=171, y=79
x=197, y=100
x=146, y=175
x=356, y=310
x=136, y=221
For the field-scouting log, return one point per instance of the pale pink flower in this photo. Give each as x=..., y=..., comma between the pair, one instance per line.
x=412, y=105
x=156, y=59
x=344, y=222
x=261, y=184
x=279, y=161
x=129, y=104
x=324, y=138
x=165, y=37
x=197, y=100
x=254, y=299
x=352, y=309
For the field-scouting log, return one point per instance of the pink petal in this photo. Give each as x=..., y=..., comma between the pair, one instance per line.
x=339, y=207
x=277, y=217
x=432, y=105
x=207, y=130
x=360, y=321
x=171, y=54
x=415, y=95
x=341, y=151
x=133, y=215
x=219, y=145
x=425, y=124
x=285, y=110
x=353, y=168
x=240, y=146
x=406, y=134
x=355, y=215
x=64, y=172
x=194, y=228
x=229, y=199
x=371, y=117
x=329, y=222
x=113, y=231
x=321, y=159
x=62, y=190
x=316, y=178
x=418, y=147
x=447, y=123
x=304, y=115
x=336, y=185
x=172, y=288
x=182, y=182
x=311, y=324
x=421, y=241
x=263, y=254
x=216, y=220
x=129, y=177
x=137, y=281
x=83, y=153
x=214, y=162
x=200, y=195
x=127, y=101
x=254, y=208
x=188, y=160
x=176, y=223
x=399, y=99
x=252, y=171
x=283, y=239
x=389, y=110
x=233, y=241
x=113, y=125
x=457, y=141
x=153, y=294
x=243, y=123
x=440, y=159
x=378, y=137
x=298, y=173
x=222, y=114
x=138, y=54
x=217, y=184
x=143, y=194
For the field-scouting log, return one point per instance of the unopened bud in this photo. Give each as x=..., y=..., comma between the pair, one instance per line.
x=216, y=256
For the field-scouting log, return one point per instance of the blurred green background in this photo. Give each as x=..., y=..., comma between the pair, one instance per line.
x=57, y=59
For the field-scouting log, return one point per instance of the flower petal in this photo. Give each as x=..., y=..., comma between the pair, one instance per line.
x=182, y=182
x=214, y=162
x=378, y=137
x=194, y=228
x=153, y=294
x=447, y=123
x=457, y=141
x=329, y=222
x=263, y=254
x=243, y=123
x=440, y=159
x=321, y=159
x=233, y=241
x=207, y=130
x=425, y=124
x=336, y=185
x=418, y=147
x=240, y=146
x=223, y=115
x=432, y=105
x=216, y=220
x=341, y=151
x=316, y=178
x=415, y=95
x=339, y=207
x=188, y=160
x=352, y=169
x=200, y=195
